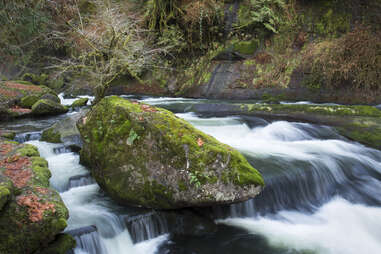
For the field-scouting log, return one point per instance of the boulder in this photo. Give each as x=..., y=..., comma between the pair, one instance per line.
x=146, y=156
x=48, y=107
x=65, y=131
x=18, y=97
x=51, y=97
x=32, y=214
x=80, y=103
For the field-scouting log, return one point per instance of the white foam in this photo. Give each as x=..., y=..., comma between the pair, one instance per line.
x=338, y=227
x=69, y=101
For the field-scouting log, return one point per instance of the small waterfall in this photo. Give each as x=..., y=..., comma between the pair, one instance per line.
x=88, y=241
x=80, y=180
x=28, y=136
x=62, y=149
x=88, y=206
x=146, y=226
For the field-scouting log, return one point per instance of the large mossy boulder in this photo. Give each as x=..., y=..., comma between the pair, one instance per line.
x=48, y=107
x=146, y=156
x=32, y=214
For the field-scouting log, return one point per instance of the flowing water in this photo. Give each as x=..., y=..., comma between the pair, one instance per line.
x=322, y=195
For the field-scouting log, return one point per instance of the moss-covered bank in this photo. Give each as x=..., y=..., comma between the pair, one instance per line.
x=32, y=214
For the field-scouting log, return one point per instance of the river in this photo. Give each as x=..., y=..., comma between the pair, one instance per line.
x=322, y=195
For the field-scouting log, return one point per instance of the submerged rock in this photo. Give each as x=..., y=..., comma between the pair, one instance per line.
x=32, y=214
x=48, y=107
x=146, y=156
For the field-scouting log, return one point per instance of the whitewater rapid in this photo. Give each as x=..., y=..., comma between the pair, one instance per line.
x=338, y=226
x=87, y=206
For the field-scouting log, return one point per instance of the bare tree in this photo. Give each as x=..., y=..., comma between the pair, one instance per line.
x=109, y=44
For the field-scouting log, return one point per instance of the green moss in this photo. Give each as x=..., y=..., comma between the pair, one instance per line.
x=61, y=245
x=17, y=230
x=48, y=107
x=8, y=135
x=51, y=135
x=28, y=101
x=79, y=103
x=24, y=82
x=41, y=172
x=246, y=47
x=11, y=142
x=5, y=195
x=317, y=109
x=28, y=150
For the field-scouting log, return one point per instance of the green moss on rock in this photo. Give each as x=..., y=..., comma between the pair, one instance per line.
x=28, y=101
x=80, y=103
x=21, y=229
x=8, y=134
x=61, y=245
x=147, y=156
x=28, y=150
x=51, y=97
x=51, y=135
x=48, y=107
x=368, y=111
x=246, y=47
x=6, y=191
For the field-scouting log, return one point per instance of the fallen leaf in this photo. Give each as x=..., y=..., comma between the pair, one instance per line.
x=200, y=142
x=36, y=208
x=147, y=108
